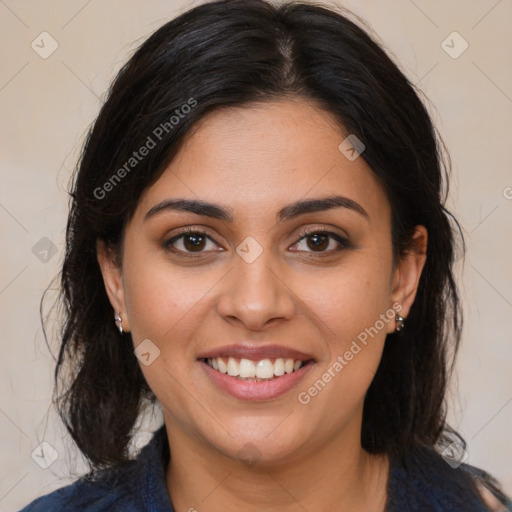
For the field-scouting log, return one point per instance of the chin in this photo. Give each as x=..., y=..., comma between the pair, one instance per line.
x=263, y=448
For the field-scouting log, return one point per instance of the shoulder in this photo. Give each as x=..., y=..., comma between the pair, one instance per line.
x=490, y=499
x=92, y=494
x=424, y=480
x=136, y=485
x=489, y=489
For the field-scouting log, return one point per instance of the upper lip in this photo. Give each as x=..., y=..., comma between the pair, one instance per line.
x=256, y=352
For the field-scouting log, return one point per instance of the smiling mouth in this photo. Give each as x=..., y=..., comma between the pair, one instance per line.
x=255, y=371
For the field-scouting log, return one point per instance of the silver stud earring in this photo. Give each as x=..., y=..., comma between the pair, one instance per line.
x=119, y=322
x=400, y=322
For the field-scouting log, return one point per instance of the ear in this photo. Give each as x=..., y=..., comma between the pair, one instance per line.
x=407, y=273
x=113, y=280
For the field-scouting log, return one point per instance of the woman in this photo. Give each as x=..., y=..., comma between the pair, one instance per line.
x=257, y=242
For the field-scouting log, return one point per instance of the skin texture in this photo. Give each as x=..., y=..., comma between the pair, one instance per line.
x=253, y=161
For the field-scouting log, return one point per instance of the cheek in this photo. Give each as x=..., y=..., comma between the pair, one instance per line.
x=355, y=335
x=350, y=298
x=163, y=303
x=159, y=296
x=166, y=305
x=352, y=306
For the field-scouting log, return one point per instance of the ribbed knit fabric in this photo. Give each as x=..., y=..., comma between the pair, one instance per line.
x=424, y=482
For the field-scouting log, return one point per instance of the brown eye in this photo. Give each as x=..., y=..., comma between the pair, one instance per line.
x=189, y=241
x=319, y=241
x=194, y=241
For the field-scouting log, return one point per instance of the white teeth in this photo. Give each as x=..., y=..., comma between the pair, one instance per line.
x=279, y=367
x=222, y=365
x=233, y=367
x=265, y=369
x=247, y=369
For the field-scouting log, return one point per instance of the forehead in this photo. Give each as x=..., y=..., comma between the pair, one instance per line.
x=262, y=156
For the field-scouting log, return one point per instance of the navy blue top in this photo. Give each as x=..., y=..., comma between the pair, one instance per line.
x=424, y=482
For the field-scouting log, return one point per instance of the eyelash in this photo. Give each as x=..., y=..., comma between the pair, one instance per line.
x=344, y=243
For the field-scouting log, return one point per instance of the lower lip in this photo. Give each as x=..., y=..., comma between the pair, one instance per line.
x=253, y=390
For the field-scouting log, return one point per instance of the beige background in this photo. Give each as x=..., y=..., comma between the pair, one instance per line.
x=47, y=104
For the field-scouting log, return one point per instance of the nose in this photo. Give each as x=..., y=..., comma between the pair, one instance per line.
x=255, y=295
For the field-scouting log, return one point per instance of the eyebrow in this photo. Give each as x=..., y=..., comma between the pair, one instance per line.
x=288, y=212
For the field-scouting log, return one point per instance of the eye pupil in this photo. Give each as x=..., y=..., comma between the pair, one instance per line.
x=321, y=244
x=197, y=241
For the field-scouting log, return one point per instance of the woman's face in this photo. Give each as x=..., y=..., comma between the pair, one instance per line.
x=254, y=287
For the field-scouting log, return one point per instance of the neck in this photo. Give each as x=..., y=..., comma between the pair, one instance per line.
x=338, y=475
